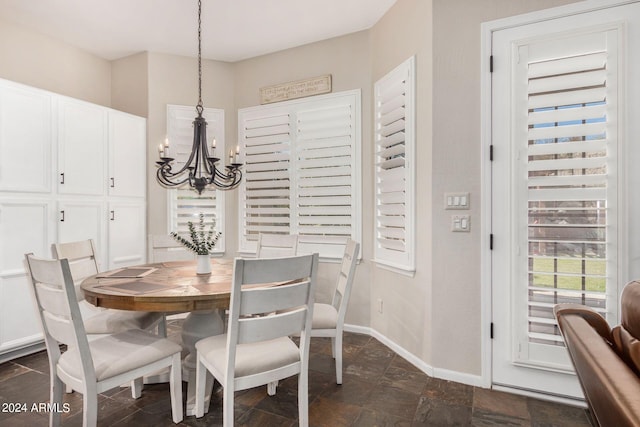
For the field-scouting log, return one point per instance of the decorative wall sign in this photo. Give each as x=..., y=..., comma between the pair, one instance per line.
x=297, y=89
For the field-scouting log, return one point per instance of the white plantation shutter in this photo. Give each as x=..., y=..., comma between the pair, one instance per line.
x=266, y=145
x=395, y=168
x=185, y=204
x=571, y=187
x=302, y=172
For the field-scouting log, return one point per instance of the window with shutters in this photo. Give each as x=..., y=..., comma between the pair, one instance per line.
x=185, y=204
x=571, y=187
x=395, y=168
x=302, y=172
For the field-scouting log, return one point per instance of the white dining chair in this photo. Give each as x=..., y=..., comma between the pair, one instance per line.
x=257, y=350
x=83, y=263
x=328, y=319
x=164, y=248
x=277, y=245
x=92, y=367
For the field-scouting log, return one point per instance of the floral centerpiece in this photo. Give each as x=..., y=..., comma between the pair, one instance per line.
x=200, y=242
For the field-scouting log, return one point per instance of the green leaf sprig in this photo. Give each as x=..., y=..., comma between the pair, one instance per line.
x=202, y=242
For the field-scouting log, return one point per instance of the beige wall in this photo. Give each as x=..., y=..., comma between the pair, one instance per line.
x=39, y=61
x=347, y=59
x=130, y=84
x=406, y=30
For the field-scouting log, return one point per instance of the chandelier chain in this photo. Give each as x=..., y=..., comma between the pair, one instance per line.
x=199, y=107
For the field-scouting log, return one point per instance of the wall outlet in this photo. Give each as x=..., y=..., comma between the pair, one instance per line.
x=380, y=305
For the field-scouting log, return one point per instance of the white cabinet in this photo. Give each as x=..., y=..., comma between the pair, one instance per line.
x=82, y=144
x=127, y=234
x=69, y=170
x=25, y=139
x=127, y=152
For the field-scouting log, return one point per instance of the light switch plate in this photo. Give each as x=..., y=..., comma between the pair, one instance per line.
x=456, y=200
x=460, y=223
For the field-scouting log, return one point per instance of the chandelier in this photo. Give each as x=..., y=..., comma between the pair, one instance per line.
x=200, y=170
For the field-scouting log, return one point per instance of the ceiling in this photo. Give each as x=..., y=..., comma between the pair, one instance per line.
x=232, y=30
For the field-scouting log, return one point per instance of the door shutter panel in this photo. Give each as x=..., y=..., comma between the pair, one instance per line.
x=394, y=168
x=571, y=185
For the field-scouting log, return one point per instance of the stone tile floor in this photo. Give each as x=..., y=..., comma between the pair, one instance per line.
x=379, y=389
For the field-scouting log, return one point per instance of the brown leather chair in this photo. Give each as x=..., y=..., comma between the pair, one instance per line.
x=607, y=361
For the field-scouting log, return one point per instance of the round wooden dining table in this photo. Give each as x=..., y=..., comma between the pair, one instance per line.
x=170, y=287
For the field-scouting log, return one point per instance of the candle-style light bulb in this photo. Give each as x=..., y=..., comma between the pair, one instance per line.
x=230, y=156
x=161, y=150
x=213, y=147
x=166, y=146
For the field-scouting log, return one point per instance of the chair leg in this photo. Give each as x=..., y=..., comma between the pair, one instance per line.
x=271, y=388
x=227, y=405
x=89, y=409
x=175, y=387
x=136, y=387
x=338, y=355
x=303, y=398
x=201, y=379
x=57, y=387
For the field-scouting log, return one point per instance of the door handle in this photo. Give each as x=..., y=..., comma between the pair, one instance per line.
x=62, y=217
x=62, y=178
x=113, y=216
x=113, y=182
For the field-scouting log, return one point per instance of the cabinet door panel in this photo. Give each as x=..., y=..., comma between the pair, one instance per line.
x=127, y=156
x=24, y=228
x=81, y=221
x=127, y=234
x=20, y=325
x=25, y=139
x=81, y=148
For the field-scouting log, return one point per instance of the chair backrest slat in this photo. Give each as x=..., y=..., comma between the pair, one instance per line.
x=262, y=270
x=253, y=329
x=81, y=256
x=277, y=245
x=267, y=300
x=60, y=328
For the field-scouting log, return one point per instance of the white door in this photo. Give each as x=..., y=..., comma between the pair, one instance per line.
x=82, y=137
x=127, y=155
x=562, y=91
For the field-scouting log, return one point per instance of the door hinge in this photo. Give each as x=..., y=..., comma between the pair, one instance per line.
x=491, y=241
x=491, y=153
x=491, y=64
x=491, y=330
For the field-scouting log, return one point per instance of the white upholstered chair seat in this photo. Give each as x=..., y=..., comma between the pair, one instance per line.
x=251, y=358
x=114, y=321
x=142, y=348
x=325, y=316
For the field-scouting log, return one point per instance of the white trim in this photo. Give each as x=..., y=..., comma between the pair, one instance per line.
x=542, y=396
x=486, y=32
